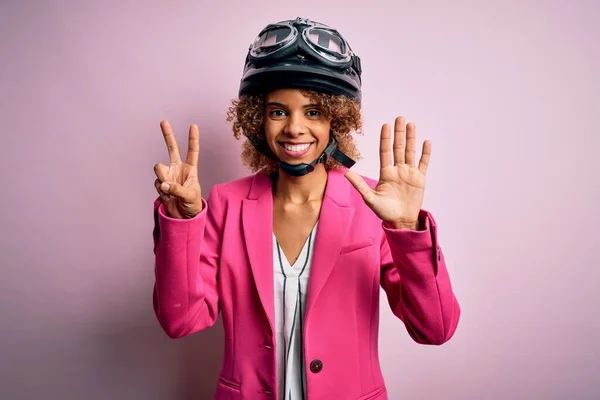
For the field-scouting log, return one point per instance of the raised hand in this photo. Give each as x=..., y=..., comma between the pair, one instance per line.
x=177, y=184
x=398, y=196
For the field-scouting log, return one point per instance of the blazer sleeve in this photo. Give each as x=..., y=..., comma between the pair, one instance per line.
x=417, y=284
x=187, y=253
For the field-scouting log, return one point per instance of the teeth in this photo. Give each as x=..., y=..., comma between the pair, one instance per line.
x=296, y=147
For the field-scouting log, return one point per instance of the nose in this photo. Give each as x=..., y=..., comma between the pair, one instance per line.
x=295, y=125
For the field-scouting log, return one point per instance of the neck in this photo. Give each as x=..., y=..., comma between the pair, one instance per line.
x=301, y=189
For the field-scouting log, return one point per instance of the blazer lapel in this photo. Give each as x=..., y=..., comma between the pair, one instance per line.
x=334, y=221
x=257, y=223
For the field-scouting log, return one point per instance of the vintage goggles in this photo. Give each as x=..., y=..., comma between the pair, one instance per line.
x=303, y=38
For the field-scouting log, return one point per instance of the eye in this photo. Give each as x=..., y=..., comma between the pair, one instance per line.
x=313, y=113
x=277, y=113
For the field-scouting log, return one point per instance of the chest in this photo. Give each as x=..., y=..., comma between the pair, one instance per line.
x=292, y=225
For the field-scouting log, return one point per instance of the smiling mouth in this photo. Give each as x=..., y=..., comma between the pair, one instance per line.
x=295, y=148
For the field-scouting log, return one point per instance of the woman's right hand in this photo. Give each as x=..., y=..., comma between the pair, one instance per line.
x=177, y=184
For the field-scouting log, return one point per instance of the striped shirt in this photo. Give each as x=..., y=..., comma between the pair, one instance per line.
x=291, y=284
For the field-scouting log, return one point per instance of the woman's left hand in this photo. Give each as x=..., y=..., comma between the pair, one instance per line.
x=398, y=196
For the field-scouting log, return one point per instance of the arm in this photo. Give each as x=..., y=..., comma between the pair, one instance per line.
x=186, y=268
x=416, y=282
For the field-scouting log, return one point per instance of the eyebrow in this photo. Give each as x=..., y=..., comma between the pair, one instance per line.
x=276, y=104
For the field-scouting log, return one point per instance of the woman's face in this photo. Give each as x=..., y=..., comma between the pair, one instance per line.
x=295, y=128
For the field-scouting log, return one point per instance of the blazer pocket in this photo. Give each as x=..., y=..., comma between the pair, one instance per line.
x=230, y=384
x=379, y=393
x=357, y=246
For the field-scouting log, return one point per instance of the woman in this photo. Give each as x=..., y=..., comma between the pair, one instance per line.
x=294, y=255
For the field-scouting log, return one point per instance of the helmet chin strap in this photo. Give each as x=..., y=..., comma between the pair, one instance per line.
x=302, y=169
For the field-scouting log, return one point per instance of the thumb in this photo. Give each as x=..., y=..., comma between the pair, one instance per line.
x=175, y=189
x=360, y=185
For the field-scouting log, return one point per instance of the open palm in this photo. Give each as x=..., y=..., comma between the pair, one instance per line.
x=398, y=196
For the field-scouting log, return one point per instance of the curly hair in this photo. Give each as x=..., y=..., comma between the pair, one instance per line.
x=247, y=114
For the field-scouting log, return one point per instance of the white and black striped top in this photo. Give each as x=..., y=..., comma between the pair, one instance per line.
x=291, y=284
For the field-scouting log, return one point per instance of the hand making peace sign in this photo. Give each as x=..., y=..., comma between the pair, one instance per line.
x=178, y=184
x=398, y=196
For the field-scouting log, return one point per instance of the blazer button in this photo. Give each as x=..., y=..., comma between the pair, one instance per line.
x=316, y=366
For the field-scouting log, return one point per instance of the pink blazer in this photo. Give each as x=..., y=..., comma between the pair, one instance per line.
x=221, y=262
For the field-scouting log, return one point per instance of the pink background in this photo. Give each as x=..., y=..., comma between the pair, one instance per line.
x=508, y=92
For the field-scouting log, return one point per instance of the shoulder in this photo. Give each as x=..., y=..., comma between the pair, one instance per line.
x=340, y=172
x=235, y=185
x=346, y=195
x=370, y=181
x=355, y=197
x=240, y=188
x=343, y=191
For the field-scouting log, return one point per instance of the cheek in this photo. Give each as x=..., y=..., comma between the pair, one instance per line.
x=270, y=131
x=270, y=136
x=323, y=134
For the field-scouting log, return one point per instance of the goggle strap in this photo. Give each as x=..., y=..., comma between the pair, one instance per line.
x=343, y=159
x=356, y=64
x=262, y=147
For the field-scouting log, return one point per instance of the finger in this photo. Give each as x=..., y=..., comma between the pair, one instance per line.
x=385, y=147
x=175, y=189
x=162, y=172
x=172, y=147
x=411, y=143
x=193, y=146
x=424, y=161
x=361, y=186
x=162, y=194
x=399, y=140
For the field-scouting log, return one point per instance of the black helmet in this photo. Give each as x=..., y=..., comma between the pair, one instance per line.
x=301, y=54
